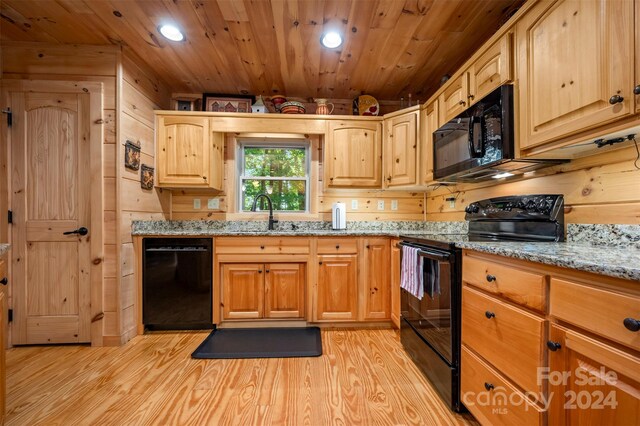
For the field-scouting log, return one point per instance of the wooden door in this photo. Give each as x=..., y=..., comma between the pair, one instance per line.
x=184, y=152
x=51, y=188
x=401, y=148
x=284, y=290
x=377, y=280
x=575, y=68
x=491, y=70
x=429, y=123
x=242, y=290
x=453, y=99
x=395, y=283
x=337, y=298
x=602, y=384
x=353, y=155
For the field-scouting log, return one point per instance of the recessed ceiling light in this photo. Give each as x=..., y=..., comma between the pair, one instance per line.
x=331, y=40
x=171, y=32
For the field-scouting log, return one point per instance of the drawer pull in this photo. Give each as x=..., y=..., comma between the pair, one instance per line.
x=261, y=247
x=488, y=386
x=491, y=277
x=337, y=246
x=489, y=314
x=553, y=346
x=5, y=281
x=630, y=324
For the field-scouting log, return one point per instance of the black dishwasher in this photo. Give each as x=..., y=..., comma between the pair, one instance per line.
x=176, y=283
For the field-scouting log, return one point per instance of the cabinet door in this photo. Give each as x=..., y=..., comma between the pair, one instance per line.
x=284, y=290
x=574, y=60
x=377, y=283
x=453, y=100
x=636, y=87
x=491, y=70
x=243, y=291
x=401, y=147
x=337, y=298
x=429, y=123
x=591, y=383
x=353, y=154
x=3, y=337
x=216, y=170
x=183, y=151
x=395, y=283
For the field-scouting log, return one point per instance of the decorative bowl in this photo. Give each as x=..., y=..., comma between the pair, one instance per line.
x=292, y=107
x=277, y=101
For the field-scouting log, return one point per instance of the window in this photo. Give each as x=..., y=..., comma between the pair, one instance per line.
x=279, y=170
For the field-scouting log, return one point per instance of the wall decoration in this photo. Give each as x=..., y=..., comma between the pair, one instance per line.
x=227, y=103
x=146, y=177
x=132, y=155
x=365, y=105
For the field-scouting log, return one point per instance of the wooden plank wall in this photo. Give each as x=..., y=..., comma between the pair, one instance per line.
x=604, y=188
x=410, y=204
x=141, y=93
x=40, y=61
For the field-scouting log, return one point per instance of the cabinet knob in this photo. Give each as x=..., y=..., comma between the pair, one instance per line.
x=471, y=97
x=204, y=177
x=630, y=324
x=259, y=271
x=462, y=103
x=4, y=281
x=615, y=99
x=489, y=314
x=337, y=246
x=267, y=271
x=553, y=346
x=488, y=386
x=261, y=247
x=368, y=246
x=491, y=278
x=319, y=263
x=636, y=90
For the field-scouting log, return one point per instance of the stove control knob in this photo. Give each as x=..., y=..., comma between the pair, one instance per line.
x=520, y=205
x=541, y=206
x=530, y=206
x=472, y=208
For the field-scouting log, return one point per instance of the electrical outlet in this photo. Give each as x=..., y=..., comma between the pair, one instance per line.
x=213, y=204
x=394, y=204
x=380, y=204
x=354, y=204
x=196, y=203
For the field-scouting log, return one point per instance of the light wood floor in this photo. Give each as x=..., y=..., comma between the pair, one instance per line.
x=363, y=377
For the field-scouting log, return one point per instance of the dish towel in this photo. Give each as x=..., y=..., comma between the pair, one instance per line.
x=432, y=277
x=410, y=273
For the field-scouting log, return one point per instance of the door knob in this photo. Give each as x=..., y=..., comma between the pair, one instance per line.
x=636, y=90
x=631, y=324
x=4, y=281
x=491, y=277
x=615, y=99
x=488, y=386
x=82, y=231
x=553, y=346
x=489, y=314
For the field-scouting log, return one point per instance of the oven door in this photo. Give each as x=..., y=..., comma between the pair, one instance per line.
x=431, y=317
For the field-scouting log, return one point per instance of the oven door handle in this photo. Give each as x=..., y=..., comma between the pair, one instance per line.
x=476, y=138
x=430, y=254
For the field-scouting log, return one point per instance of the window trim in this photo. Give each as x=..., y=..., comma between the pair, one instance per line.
x=273, y=143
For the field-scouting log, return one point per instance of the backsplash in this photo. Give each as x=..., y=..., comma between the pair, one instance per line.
x=604, y=235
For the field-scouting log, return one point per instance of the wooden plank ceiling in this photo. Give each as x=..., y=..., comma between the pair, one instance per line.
x=391, y=48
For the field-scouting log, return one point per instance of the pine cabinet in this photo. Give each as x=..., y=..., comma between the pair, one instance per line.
x=575, y=67
x=337, y=290
x=353, y=154
x=429, y=123
x=636, y=83
x=401, y=148
x=377, y=278
x=188, y=153
x=3, y=338
x=395, y=282
x=256, y=290
x=491, y=70
x=453, y=99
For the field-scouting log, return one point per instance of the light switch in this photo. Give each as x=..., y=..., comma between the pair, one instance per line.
x=213, y=204
x=196, y=203
x=394, y=204
x=380, y=204
x=354, y=204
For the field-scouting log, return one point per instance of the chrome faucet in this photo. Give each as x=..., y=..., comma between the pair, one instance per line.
x=253, y=209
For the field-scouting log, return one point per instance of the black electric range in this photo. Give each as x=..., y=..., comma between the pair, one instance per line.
x=430, y=326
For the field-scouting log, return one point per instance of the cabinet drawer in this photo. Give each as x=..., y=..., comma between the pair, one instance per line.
x=507, y=337
x=337, y=245
x=522, y=287
x=253, y=245
x=491, y=398
x=600, y=311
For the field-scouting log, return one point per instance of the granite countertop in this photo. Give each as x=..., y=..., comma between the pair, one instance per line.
x=4, y=248
x=620, y=262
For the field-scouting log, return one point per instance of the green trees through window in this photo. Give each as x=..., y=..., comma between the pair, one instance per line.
x=281, y=172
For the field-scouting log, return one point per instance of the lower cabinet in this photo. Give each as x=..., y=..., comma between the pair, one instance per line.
x=395, y=282
x=337, y=296
x=257, y=290
x=377, y=288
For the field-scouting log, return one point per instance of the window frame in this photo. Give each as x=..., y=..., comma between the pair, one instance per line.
x=273, y=143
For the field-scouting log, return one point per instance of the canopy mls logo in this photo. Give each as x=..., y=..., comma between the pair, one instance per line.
x=500, y=399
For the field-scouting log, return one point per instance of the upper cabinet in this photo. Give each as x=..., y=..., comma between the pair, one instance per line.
x=401, y=148
x=429, y=123
x=575, y=67
x=453, y=99
x=188, y=154
x=353, y=154
x=491, y=70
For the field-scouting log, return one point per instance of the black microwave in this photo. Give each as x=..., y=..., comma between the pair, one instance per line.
x=478, y=144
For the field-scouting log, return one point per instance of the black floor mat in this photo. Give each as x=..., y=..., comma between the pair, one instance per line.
x=260, y=343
